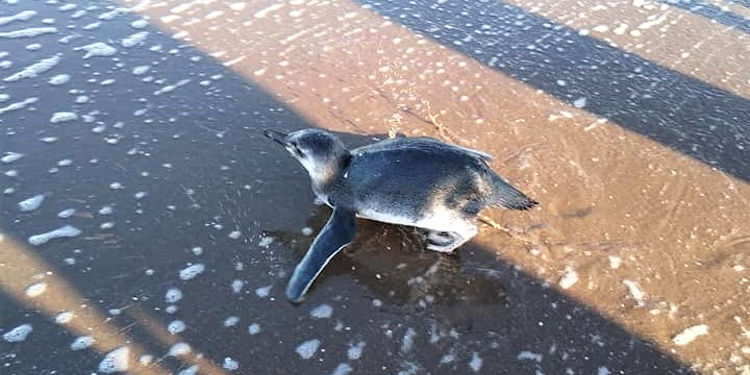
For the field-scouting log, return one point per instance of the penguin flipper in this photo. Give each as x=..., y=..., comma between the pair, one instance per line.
x=338, y=232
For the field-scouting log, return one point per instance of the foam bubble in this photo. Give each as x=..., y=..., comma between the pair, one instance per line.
x=322, y=312
x=28, y=33
x=253, y=329
x=263, y=292
x=34, y=69
x=18, y=334
x=230, y=364
x=81, y=343
x=179, y=349
x=97, y=49
x=63, y=117
x=190, y=272
x=115, y=361
x=59, y=79
x=66, y=213
x=63, y=317
x=134, y=39
x=31, y=204
x=22, y=16
x=173, y=295
x=11, y=157
x=36, y=289
x=176, y=327
x=307, y=349
x=62, y=232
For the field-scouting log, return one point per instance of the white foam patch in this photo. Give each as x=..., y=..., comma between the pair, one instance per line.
x=31, y=204
x=11, y=157
x=268, y=10
x=18, y=105
x=115, y=361
x=97, y=49
x=59, y=79
x=322, y=312
x=28, y=33
x=569, y=278
x=407, y=343
x=237, y=285
x=141, y=69
x=63, y=117
x=21, y=16
x=179, y=349
x=145, y=359
x=34, y=69
x=342, y=369
x=614, y=262
x=231, y=321
x=134, y=39
x=355, y=351
x=253, y=329
x=18, y=334
x=176, y=326
x=81, y=343
x=635, y=291
x=230, y=364
x=113, y=13
x=263, y=292
x=66, y=213
x=192, y=370
x=36, y=289
x=139, y=24
x=307, y=349
x=190, y=272
x=64, y=317
x=265, y=241
x=690, y=334
x=579, y=103
x=92, y=26
x=529, y=356
x=62, y=232
x=173, y=295
x=603, y=370
x=476, y=362
x=170, y=88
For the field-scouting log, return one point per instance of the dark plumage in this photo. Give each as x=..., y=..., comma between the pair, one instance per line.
x=420, y=182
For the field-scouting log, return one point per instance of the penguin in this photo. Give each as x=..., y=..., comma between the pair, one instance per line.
x=414, y=181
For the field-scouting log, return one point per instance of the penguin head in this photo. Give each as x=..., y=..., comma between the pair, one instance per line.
x=320, y=152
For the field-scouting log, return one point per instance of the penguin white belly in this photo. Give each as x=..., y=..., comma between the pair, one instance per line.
x=438, y=219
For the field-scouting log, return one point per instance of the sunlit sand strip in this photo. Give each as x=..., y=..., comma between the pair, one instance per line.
x=663, y=33
x=20, y=268
x=644, y=234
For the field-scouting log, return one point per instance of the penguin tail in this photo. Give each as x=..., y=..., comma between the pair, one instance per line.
x=508, y=196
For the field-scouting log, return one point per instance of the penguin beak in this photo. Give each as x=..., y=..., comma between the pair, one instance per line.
x=275, y=136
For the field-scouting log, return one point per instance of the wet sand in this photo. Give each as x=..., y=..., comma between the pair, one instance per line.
x=637, y=239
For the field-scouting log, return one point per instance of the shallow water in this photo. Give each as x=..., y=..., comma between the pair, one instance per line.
x=140, y=128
